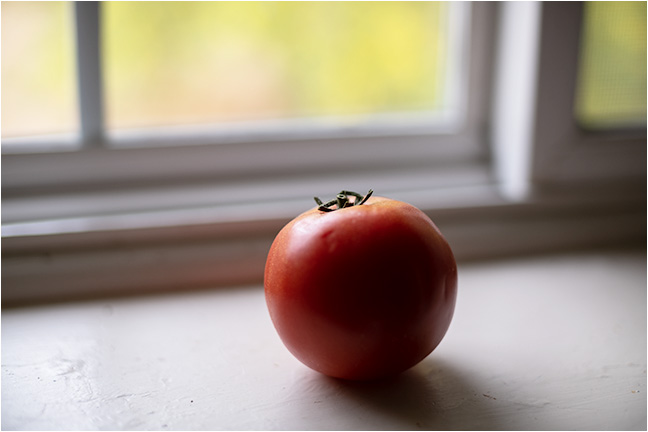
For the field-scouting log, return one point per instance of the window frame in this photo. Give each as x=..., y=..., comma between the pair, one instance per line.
x=462, y=179
x=539, y=148
x=566, y=152
x=100, y=158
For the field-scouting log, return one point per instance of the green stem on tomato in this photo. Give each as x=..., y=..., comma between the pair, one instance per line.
x=342, y=200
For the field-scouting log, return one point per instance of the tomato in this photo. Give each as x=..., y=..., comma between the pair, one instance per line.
x=361, y=292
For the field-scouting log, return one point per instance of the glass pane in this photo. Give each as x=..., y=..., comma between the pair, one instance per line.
x=192, y=62
x=38, y=73
x=612, y=80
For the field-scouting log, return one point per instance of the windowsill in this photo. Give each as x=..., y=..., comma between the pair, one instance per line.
x=165, y=239
x=555, y=342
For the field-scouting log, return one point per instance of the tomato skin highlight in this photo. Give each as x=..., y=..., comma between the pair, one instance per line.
x=362, y=292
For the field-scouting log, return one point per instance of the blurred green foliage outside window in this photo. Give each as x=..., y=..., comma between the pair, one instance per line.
x=205, y=62
x=168, y=63
x=612, y=79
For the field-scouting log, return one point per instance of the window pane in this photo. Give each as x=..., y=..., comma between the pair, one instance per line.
x=612, y=80
x=191, y=62
x=38, y=74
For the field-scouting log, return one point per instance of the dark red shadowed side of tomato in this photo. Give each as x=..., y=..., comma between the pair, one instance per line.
x=362, y=292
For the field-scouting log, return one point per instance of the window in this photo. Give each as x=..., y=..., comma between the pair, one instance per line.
x=169, y=63
x=39, y=95
x=611, y=90
x=149, y=198
x=214, y=62
x=429, y=116
x=565, y=151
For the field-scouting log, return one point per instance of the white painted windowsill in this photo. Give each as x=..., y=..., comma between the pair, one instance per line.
x=135, y=241
x=555, y=342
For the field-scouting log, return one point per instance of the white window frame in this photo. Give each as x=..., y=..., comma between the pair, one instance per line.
x=537, y=187
x=568, y=152
x=182, y=153
x=539, y=148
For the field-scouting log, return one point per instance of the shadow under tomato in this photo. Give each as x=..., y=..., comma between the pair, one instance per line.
x=431, y=395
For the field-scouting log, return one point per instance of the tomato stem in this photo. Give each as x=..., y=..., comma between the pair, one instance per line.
x=342, y=200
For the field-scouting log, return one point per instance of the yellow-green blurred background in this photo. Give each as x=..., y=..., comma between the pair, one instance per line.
x=611, y=91
x=167, y=63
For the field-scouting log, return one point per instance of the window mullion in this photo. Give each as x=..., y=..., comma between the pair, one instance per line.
x=87, y=23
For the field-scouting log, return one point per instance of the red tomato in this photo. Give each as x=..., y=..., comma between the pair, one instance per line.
x=361, y=292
